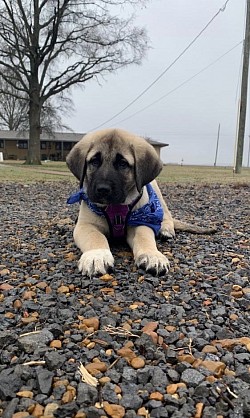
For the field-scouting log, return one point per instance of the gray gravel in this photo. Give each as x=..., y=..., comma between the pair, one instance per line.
x=174, y=346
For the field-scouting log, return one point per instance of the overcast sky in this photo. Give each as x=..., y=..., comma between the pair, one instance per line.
x=188, y=118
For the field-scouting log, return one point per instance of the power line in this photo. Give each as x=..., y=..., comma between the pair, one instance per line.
x=182, y=84
x=222, y=9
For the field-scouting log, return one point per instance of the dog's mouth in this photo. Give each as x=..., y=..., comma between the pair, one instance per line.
x=104, y=194
x=104, y=201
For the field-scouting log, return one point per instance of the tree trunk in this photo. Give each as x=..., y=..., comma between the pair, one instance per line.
x=34, y=154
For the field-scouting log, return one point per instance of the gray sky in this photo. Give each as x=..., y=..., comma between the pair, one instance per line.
x=188, y=118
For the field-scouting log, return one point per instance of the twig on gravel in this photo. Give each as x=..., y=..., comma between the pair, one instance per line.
x=119, y=331
x=91, y=334
x=30, y=333
x=114, y=363
x=34, y=363
x=231, y=393
x=188, y=347
x=224, y=397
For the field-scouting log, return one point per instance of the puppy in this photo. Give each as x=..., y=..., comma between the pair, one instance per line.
x=119, y=198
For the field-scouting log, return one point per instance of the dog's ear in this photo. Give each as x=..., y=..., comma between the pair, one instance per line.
x=76, y=159
x=147, y=163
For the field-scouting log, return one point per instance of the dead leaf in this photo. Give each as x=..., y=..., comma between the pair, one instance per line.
x=86, y=376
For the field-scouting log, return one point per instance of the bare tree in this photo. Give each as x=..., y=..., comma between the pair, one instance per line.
x=51, y=114
x=48, y=46
x=14, y=111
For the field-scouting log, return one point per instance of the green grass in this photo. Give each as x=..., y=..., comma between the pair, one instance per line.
x=19, y=172
x=48, y=165
x=202, y=174
x=58, y=171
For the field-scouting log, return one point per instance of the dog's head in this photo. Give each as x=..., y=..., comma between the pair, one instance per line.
x=111, y=164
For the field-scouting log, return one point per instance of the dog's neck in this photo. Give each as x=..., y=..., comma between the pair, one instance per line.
x=116, y=215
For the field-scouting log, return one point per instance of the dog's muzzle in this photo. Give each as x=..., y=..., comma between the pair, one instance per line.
x=105, y=193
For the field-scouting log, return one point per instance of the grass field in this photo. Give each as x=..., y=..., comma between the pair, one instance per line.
x=19, y=172
x=202, y=174
x=58, y=171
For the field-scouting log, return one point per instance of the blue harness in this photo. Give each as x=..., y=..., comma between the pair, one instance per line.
x=120, y=216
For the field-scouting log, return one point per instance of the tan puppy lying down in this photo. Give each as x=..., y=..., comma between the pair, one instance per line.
x=120, y=199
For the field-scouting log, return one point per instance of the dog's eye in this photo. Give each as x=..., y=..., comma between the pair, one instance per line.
x=95, y=161
x=122, y=164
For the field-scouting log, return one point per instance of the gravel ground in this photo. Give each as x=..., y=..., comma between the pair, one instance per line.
x=176, y=346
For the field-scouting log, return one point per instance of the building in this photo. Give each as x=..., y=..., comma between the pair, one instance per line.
x=14, y=145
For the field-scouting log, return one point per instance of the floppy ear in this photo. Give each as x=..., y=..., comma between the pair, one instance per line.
x=76, y=159
x=147, y=164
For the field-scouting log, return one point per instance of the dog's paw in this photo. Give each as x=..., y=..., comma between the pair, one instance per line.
x=154, y=263
x=167, y=230
x=96, y=262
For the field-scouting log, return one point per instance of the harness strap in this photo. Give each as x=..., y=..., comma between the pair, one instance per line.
x=116, y=216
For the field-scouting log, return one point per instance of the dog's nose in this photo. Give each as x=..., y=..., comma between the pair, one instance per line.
x=104, y=190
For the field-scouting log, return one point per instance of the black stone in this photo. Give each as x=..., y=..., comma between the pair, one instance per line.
x=86, y=394
x=10, y=383
x=54, y=360
x=44, y=380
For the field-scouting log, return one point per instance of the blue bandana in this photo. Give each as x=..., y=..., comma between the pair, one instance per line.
x=120, y=216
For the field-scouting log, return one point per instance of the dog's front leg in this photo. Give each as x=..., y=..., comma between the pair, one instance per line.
x=167, y=225
x=141, y=239
x=96, y=255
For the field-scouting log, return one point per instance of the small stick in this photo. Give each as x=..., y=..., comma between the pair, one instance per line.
x=114, y=363
x=119, y=331
x=225, y=397
x=30, y=333
x=190, y=346
x=231, y=393
x=34, y=363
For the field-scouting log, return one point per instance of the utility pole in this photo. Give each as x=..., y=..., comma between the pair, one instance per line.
x=248, y=154
x=243, y=99
x=217, y=146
